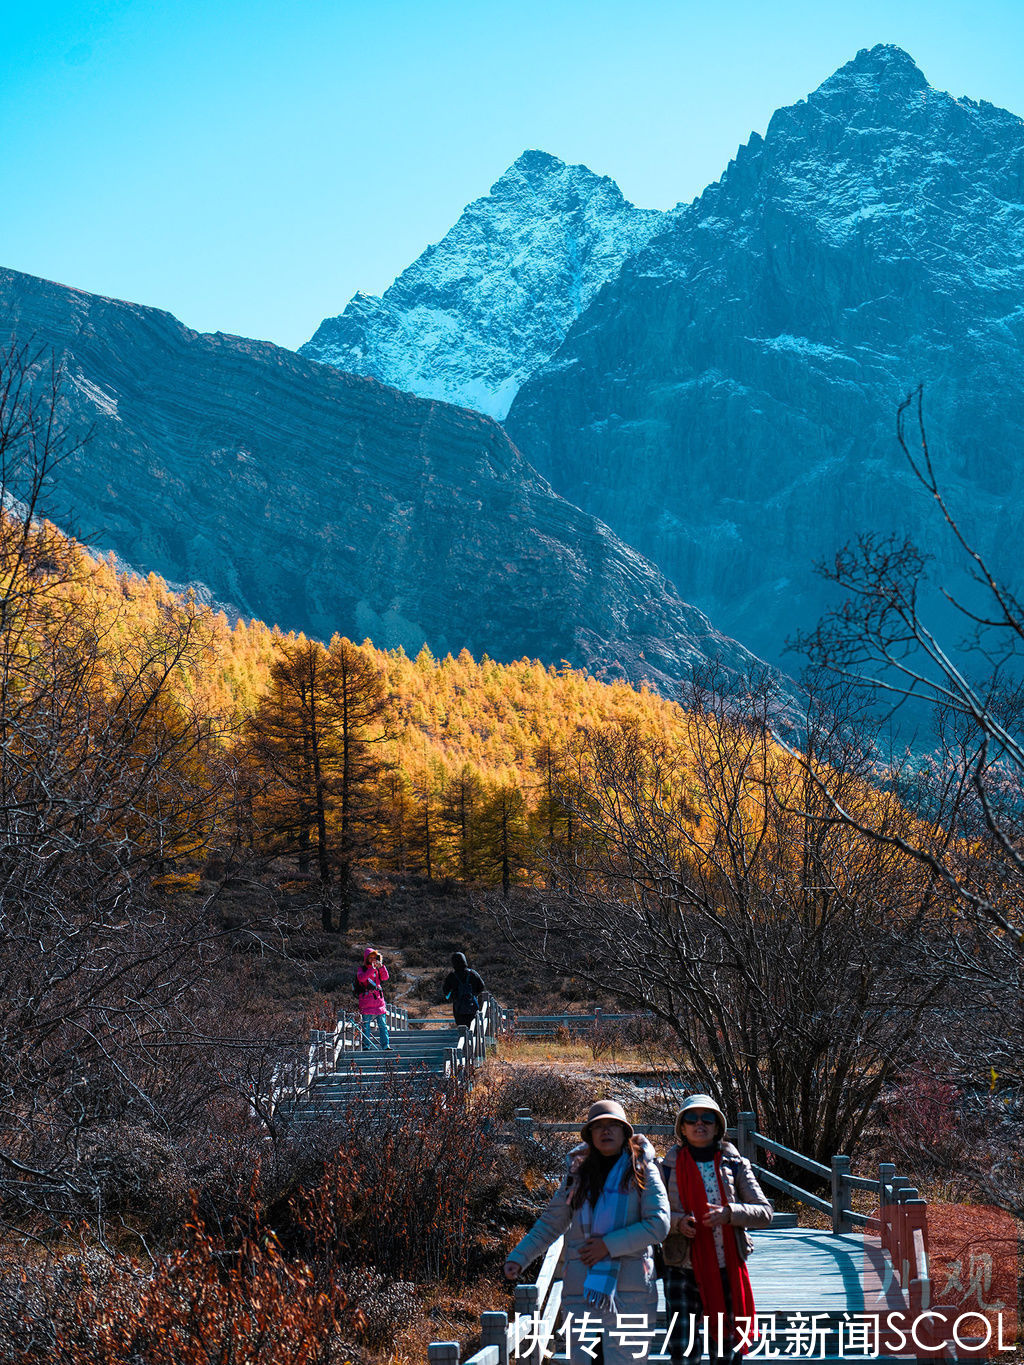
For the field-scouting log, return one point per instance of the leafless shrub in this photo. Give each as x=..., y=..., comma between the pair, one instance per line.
x=643, y=1033
x=409, y=1186
x=131, y=1168
x=39, y=1303
x=378, y=1308
x=547, y=1093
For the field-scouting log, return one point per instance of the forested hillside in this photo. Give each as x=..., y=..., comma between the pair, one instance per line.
x=453, y=763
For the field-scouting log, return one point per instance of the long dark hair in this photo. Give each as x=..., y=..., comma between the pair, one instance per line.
x=592, y=1172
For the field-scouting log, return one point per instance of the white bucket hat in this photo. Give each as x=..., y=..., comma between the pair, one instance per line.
x=700, y=1102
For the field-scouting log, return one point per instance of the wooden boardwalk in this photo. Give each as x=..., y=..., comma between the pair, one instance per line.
x=810, y=1287
x=810, y=1271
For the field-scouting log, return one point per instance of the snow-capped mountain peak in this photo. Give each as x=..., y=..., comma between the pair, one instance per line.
x=480, y=310
x=885, y=66
x=728, y=405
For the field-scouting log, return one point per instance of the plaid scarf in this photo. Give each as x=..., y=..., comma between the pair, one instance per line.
x=609, y=1214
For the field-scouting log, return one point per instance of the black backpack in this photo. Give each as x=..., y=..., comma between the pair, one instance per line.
x=464, y=999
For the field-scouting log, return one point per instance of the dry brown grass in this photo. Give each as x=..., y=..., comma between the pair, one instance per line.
x=573, y=1052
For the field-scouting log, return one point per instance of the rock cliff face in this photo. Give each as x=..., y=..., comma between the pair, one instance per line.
x=728, y=402
x=486, y=306
x=325, y=502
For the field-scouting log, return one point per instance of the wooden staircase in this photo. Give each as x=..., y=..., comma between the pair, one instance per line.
x=339, y=1072
x=417, y=1062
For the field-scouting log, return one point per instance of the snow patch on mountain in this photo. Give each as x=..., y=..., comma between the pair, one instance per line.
x=482, y=309
x=106, y=402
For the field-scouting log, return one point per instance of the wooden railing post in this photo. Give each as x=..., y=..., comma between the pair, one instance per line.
x=840, y=1167
x=886, y=1174
x=896, y=1185
x=896, y=1250
x=527, y=1305
x=904, y=1241
x=886, y=1171
x=746, y=1127
x=443, y=1353
x=524, y=1123
x=919, y=1289
x=494, y=1332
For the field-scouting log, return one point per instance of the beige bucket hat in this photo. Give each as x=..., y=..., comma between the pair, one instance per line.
x=606, y=1109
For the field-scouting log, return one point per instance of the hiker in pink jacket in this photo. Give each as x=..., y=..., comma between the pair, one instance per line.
x=371, y=977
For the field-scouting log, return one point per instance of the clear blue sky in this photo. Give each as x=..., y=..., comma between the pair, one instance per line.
x=249, y=164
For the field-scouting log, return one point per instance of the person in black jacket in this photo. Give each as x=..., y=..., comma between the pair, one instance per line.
x=464, y=988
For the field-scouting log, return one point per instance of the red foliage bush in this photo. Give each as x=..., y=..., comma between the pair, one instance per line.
x=924, y=1122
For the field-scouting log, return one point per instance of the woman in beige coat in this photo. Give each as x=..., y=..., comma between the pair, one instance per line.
x=713, y=1198
x=612, y=1206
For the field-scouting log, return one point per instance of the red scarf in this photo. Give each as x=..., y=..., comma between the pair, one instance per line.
x=693, y=1198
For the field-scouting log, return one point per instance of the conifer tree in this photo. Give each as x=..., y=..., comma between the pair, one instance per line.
x=398, y=820
x=293, y=745
x=423, y=834
x=554, y=818
x=315, y=736
x=363, y=722
x=459, y=817
x=503, y=834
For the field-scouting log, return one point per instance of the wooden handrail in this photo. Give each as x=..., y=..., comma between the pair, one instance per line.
x=867, y=1221
x=802, y=1196
x=806, y=1163
x=599, y=1017
x=542, y=1025
x=539, y=1303
x=920, y=1286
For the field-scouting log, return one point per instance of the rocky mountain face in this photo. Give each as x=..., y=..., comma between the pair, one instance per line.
x=728, y=402
x=326, y=502
x=487, y=305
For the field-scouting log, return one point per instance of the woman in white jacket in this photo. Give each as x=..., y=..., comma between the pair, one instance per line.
x=612, y=1207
